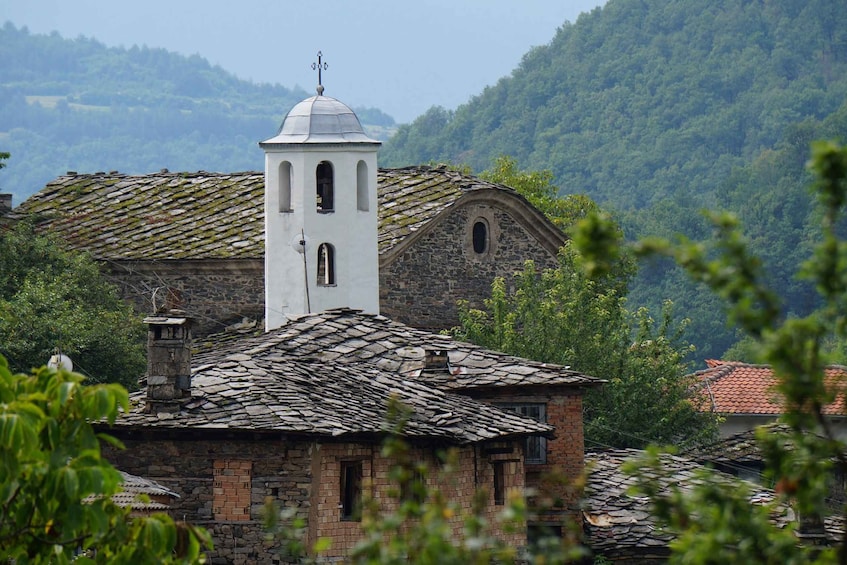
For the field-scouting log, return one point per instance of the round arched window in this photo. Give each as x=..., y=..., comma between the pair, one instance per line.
x=480, y=237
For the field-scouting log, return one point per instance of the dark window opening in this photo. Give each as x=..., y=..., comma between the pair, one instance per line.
x=326, y=265
x=535, y=449
x=499, y=482
x=326, y=187
x=362, y=203
x=480, y=237
x=351, y=490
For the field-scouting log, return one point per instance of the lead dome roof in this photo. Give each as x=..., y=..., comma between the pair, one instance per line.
x=321, y=119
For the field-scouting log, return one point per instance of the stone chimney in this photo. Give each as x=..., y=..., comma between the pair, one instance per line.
x=168, y=360
x=5, y=203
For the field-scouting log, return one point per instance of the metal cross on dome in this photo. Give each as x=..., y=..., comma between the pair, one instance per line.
x=320, y=66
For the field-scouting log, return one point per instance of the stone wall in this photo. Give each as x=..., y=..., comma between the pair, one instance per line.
x=215, y=293
x=210, y=478
x=223, y=485
x=420, y=286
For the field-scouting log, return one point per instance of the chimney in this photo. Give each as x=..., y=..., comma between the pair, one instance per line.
x=168, y=360
x=5, y=203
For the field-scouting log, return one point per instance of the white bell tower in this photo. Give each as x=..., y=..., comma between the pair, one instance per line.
x=320, y=212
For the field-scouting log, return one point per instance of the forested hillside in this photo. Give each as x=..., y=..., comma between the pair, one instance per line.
x=658, y=109
x=78, y=105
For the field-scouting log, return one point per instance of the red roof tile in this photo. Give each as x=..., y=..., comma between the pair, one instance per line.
x=732, y=387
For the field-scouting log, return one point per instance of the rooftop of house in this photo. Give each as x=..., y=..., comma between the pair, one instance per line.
x=254, y=384
x=617, y=522
x=204, y=215
x=731, y=387
x=346, y=336
x=133, y=488
x=738, y=449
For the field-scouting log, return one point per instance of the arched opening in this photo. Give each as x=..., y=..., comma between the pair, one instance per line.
x=326, y=187
x=362, y=203
x=326, y=265
x=285, y=186
x=480, y=237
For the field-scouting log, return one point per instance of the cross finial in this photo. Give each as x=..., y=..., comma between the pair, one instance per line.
x=320, y=66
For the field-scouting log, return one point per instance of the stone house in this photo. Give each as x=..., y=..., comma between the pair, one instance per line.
x=297, y=414
x=295, y=410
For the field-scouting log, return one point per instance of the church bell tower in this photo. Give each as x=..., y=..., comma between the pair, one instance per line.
x=320, y=212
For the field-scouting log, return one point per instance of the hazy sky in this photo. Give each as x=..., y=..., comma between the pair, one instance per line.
x=400, y=56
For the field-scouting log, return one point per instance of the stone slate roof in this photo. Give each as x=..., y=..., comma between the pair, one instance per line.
x=741, y=449
x=205, y=215
x=133, y=486
x=350, y=337
x=617, y=523
x=730, y=387
x=252, y=384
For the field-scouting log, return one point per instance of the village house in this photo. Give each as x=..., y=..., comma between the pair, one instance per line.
x=294, y=409
x=745, y=396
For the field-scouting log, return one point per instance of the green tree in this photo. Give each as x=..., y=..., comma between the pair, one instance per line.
x=718, y=525
x=562, y=316
x=54, y=299
x=538, y=188
x=55, y=489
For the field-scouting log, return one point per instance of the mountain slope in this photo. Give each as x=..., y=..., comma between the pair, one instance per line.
x=78, y=105
x=638, y=101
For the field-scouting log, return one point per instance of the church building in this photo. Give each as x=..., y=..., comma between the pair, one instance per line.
x=293, y=411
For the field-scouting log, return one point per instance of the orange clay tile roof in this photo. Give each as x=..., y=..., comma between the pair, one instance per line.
x=731, y=387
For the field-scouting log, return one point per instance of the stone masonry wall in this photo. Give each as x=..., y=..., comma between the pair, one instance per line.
x=223, y=486
x=215, y=293
x=420, y=287
x=210, y=477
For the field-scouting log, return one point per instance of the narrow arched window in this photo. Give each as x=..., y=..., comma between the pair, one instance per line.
x=326, y=187
x=480, y=237
x=362, y=203
x=285, y=186
x=326, y=264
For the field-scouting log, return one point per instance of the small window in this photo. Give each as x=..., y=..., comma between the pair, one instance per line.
x=480, y=237
x=362, y=203
x=535, y=450
x=499, y=482
x=326, y=187
x=326, y=265
x=351, y=490
x=285, y=186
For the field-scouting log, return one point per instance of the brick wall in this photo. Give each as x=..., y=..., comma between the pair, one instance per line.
x=556, y=481
x=473, y=472
x=420, y=287
x=223, y=485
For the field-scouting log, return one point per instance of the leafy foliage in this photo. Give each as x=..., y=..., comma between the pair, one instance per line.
x=561, y=316
x=716, y=525
x=658, y=109
x=538, y=188
x=55, y=488
x=51, y=298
